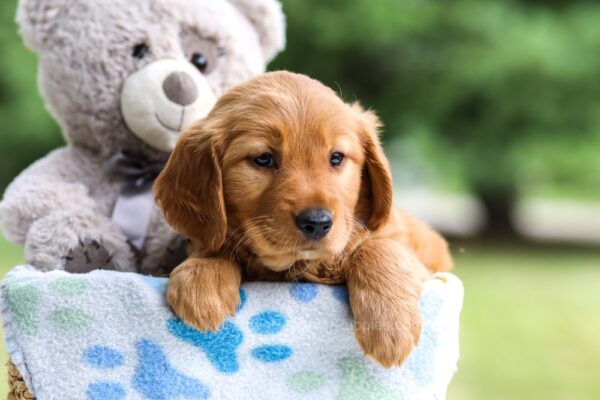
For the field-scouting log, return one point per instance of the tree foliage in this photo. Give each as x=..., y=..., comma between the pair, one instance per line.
x=27, y=131
x=503, y=93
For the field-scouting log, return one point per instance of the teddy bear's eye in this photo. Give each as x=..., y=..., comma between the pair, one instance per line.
x=199, y=61
x=140, y=50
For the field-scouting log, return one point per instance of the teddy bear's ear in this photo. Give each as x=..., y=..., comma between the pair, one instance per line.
x=37, y=19
x=269, y=21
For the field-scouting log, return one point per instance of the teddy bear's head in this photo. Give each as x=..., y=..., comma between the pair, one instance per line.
x=129, y=75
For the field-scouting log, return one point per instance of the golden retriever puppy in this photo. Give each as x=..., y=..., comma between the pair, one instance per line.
x=285, y=181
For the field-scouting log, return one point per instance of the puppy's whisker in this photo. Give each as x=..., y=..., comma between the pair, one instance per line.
x=355, y=236
x=295, y=275
x=248, y=232
x=242, y=230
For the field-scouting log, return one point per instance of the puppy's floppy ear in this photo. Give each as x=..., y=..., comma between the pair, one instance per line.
x=376, y=186
x=189, y=190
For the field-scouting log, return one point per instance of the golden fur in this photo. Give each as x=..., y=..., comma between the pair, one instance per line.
x=240, y=216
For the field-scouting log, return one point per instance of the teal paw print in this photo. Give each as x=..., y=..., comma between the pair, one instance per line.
x=221, y=347
x=24, y=297
x=357, y=383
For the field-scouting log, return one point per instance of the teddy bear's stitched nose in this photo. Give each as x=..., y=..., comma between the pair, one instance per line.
x=180, y=88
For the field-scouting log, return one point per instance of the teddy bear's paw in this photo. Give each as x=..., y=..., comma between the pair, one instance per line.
x=175, y=254
x=77, y=240
x=88, y=256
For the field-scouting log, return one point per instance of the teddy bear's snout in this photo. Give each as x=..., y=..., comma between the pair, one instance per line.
x=180, y=88
x=163, y=98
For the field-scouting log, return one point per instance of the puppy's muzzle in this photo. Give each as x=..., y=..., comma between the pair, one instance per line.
x=314, y=223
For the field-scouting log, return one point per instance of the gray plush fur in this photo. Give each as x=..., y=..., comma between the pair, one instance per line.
x=85, y=50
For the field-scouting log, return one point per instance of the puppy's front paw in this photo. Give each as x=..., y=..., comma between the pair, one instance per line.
x=387, y=333
x=203, y=292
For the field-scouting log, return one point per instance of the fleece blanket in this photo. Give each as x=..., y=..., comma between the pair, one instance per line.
x=111, y=336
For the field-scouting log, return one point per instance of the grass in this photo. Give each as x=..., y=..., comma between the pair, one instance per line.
x=10, y=256
x=529, y=326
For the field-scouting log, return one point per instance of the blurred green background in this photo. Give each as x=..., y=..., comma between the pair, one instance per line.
x=492, y=125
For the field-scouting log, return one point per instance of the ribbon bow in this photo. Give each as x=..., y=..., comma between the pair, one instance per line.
x=135, y=202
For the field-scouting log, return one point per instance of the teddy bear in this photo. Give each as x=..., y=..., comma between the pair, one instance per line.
x=123, y=78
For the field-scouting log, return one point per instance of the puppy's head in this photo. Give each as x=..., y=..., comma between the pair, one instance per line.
x=282, y=166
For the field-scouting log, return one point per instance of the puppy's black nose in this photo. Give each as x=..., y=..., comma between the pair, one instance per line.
x=315, y=223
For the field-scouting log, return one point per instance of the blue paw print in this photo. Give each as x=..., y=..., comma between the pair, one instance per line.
x=221, y=347
x=105, y=391
x=269, y=323
x=158, y=284
x=154, y=378
x=102, y=357
x=304, y=292
x=340, y=293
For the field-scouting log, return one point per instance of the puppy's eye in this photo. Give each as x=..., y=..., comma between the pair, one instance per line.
x=200, y=61
x=336, y=159
x=140, y=50
x=265, y=160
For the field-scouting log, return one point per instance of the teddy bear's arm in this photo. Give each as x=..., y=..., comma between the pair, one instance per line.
x=42, y=188
x=49, y=210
